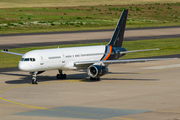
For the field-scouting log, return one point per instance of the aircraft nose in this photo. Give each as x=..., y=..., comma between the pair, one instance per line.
x=22, y=66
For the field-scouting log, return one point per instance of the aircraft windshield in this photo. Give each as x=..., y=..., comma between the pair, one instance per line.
x=28, y=59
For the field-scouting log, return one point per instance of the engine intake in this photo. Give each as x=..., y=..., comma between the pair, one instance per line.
x=96, y=71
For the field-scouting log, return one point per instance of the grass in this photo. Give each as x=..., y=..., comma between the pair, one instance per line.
x=62, y=3
x=167, y=47
x=48, y=19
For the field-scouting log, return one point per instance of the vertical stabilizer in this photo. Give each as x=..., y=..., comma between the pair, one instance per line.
x=118, y=35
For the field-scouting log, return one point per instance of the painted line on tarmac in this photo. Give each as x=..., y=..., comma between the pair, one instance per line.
x=24, y=105
x=148, y=71
x=159, y=70
x=163, y=67
x=42, y=108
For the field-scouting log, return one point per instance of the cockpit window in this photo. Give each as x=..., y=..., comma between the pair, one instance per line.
x=22, y=59
x=28, y=59
x=32, y=59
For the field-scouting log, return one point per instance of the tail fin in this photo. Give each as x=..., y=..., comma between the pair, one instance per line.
x=118, y=35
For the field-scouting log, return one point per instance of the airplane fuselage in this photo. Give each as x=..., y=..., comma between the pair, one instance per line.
x=64, y=58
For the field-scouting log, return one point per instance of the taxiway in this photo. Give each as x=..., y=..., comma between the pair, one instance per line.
x=79, y=37
x=135, y=91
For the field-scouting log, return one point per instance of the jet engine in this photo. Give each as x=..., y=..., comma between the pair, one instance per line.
x=96, y=71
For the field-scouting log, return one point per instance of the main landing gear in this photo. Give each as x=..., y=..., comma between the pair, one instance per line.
x=34, y=80
x=61, y=75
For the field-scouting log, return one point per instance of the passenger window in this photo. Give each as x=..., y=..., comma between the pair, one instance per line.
x=34, y=59
x=76, y=55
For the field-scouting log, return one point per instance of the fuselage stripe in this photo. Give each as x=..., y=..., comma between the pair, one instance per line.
x=109, y=53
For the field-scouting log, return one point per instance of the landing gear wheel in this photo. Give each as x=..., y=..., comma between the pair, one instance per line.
x=64, y=76
x=95, y=79
x=61, y=75
x=34, y=81
x=58, y=76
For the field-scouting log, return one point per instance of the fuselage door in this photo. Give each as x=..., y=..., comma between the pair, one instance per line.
x=41, y=60
x=63, y=58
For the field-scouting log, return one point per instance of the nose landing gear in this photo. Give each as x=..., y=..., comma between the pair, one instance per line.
x=34, y=80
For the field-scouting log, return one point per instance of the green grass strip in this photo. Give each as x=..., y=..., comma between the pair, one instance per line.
x=48, y=19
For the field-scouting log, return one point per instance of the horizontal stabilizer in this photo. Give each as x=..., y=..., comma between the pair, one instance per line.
x=124, y=52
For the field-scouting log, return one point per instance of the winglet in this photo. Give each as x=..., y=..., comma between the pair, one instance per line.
x=118, y=35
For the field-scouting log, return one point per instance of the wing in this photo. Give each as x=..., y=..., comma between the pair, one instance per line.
x=6, y=51
x=81, y=63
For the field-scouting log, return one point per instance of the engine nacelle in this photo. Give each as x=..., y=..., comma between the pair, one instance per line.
x=96, y=71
